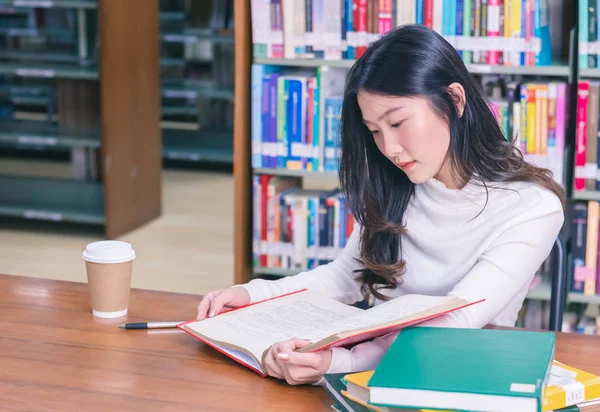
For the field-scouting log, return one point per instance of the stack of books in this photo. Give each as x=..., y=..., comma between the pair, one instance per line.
x=467, y=369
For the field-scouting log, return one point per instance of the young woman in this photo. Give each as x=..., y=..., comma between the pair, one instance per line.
x=443, y=203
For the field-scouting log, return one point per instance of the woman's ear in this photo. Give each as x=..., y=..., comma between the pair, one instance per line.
x=458, y=96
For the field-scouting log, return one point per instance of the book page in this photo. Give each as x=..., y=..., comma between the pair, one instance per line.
x=257, y=327
x=393, y=310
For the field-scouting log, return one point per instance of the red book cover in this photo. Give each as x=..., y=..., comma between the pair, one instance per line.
x=581, y=134
x=362, y=26
x=428, y=13
x=264, y=184
x=349, y=224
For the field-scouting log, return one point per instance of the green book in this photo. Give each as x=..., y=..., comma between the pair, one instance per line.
x=465, y=369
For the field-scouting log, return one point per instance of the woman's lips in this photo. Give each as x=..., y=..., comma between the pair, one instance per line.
x=406, y=165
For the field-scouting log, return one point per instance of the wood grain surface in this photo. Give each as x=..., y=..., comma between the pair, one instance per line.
x=54, y=355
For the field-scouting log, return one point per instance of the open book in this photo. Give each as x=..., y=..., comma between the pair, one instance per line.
x=245, y=334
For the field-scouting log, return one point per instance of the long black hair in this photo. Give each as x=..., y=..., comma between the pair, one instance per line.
x=414, y=60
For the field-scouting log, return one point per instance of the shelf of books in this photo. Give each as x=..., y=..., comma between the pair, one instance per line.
x=196, y=47
x=49, y=101
x=58, y=98
x=521, y=53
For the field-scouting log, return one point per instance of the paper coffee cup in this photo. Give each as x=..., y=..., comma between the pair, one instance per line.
x=109, y=265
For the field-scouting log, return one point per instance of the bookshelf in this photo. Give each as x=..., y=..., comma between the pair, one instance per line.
x=196, y=47
x=63, y=94
x=565, y=67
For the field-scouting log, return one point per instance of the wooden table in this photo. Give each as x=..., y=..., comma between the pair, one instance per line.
x=54, y=355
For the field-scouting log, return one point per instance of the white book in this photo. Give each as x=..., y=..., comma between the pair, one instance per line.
x=246, y=334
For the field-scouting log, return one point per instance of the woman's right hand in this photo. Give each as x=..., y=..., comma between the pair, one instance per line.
x=213, y=303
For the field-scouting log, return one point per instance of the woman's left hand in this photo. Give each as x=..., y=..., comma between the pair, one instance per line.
x=283, y=362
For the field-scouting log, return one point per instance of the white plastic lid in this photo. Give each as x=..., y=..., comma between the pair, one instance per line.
x=108, y=251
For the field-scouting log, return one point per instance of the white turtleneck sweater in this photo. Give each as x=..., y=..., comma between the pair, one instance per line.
x=453, y=246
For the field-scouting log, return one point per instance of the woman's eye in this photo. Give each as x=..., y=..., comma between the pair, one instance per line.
x=395, y=125
x=373, y=132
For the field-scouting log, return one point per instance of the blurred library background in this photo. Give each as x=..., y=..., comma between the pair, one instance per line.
x=169, y=124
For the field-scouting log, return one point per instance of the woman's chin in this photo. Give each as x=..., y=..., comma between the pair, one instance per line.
x=416, y=178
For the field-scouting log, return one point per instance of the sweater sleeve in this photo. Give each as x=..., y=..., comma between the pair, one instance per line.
x=501, y=273
x=335, y=279
x=507, y=267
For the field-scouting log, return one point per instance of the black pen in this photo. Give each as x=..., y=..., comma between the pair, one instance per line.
x=149, y=325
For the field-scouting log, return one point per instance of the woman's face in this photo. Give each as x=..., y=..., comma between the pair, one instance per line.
x=409, y=133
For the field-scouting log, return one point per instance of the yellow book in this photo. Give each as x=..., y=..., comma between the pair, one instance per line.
x=508, y=30
x=531, y=120
x=569, y=386
x=543, y=119
x=541, y=108
x=357, y=390
x=515, y=27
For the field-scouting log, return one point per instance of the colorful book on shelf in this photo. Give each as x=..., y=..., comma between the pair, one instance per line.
x=294, y=228
x=245, y=334
x=534, y=114
x=465, y=369
x=490, y=32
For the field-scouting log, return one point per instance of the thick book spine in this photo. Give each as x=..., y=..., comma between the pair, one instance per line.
x=361, y=28
x=591, y=253
x=256, y=90
x=350, y=33
x=282, y=93
x=532, y=138
x=523, y=128
x=316, y=149
x=308, y=28
x=583, y=7
x=420, y=12
x=581, y=135
x=579, y=246
x=476, y=26
x=592, y=133
x=428, y=13
x=277, y=29
x=561, y=113
x=264, y=183
x=385, y=16
x=529, y=31
x=318, y=21
x=273, y=94
x=493, y=29
x=459, y=23
x=265, y=121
